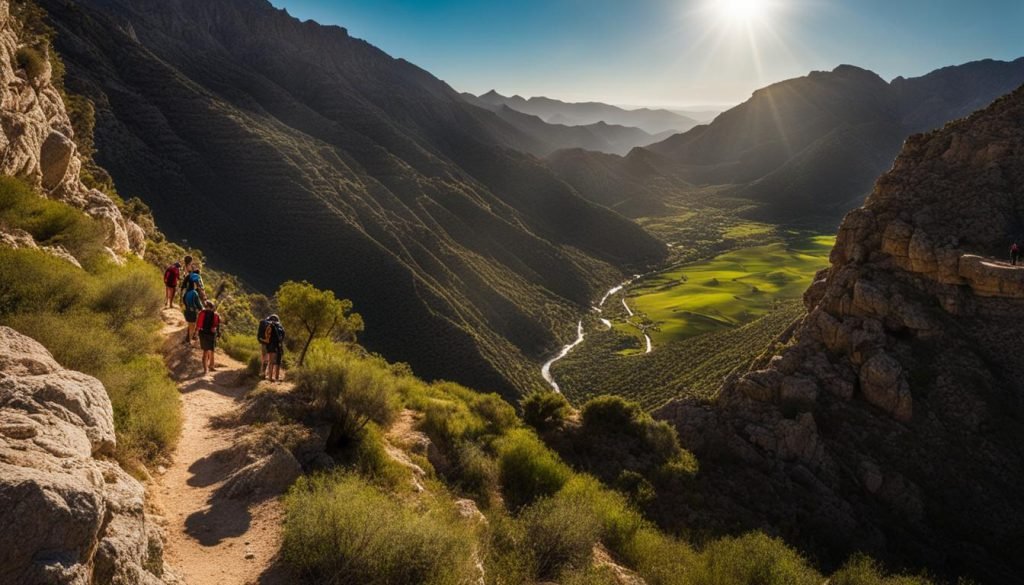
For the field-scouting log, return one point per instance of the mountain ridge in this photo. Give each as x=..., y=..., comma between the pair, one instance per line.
x=349, y=151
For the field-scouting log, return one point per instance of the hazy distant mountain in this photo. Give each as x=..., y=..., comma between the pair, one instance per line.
x=289, y=150
x=552, y=136
x=582, y=114
x=814, y=145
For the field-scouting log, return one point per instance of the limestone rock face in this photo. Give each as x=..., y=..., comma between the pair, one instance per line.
x=890, y=423
x=36, y=143
x=69, y=515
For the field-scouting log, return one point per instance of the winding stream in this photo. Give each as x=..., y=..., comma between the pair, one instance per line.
x=545, y=370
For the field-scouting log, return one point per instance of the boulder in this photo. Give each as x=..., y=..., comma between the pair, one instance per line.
x=54, y=158
x=882, y=383
x=69, y=517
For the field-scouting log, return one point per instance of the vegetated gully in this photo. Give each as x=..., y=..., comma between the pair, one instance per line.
x=545, y=370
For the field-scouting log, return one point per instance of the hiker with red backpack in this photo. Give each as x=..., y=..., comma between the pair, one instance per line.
x=171, y=276
x=208, y=327
x=1015, y=254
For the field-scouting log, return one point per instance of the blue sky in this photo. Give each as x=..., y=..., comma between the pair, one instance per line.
x=670, y=52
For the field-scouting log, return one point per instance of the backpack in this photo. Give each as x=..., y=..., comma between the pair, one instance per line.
x=190, y=282
x=209, y=321
x=275, y=334
x=262, y=332
x=171, y=277
x=192, y=301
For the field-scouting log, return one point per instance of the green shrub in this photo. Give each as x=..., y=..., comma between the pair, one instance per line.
x=82, y=341
x=619, y=522
x=244, y=348
x=352, y=391
x=50, y=223
x=42, y=283
x=617, y=434
x=561, y=535
x=660, y=559
x=129, y=293
x=527, y=470
x=863, y=570
x=475, y=472
x=545, y=410
x=370, y=459
x=339, y=530
x=753, y=558
x=147, y=413
x=32, y=61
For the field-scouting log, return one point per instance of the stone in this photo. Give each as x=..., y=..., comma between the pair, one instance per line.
x=265, y=477
x=799, y=391
x=882, y=383
x=68, y=517
x=54, y=159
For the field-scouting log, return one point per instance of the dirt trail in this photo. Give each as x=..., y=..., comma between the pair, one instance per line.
x=211, y=539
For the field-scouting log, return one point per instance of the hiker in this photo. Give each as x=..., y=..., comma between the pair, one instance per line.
x=194, y=281
x=261, y=337
x=191, y=304
x=171, y=276
x=208, y=326
x=274, y=338
x=1015, y=253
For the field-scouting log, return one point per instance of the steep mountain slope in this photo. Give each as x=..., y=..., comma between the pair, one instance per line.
x=600, y=137
x=819, y=141
x=295, y=151
x=806, y=148
x=582, y=114
x=890, y=420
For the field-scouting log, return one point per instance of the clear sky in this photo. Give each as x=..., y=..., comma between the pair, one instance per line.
x=670, y=52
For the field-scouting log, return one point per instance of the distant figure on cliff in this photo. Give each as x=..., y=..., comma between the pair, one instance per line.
x=1015, y=253
x=208, y=326
x=171, y=277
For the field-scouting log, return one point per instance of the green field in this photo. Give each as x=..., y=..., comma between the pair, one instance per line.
x=728, y=290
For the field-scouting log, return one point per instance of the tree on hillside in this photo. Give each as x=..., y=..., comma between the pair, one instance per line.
x=318, y=313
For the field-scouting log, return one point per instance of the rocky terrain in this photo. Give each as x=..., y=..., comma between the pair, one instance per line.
x=70, y=514
x=292, y=150
x=37, y=137
x=889, y=419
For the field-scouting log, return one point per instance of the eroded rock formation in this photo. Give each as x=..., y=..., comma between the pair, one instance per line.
x=890, y=418
x=36, y=139
x=70, y=514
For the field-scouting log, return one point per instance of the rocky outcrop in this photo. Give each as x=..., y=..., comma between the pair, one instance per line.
x=36, y=140
x=15, y=238
x=890, y=420
x=70, y=515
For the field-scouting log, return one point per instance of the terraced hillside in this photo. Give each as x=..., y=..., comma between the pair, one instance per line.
x=298, y=152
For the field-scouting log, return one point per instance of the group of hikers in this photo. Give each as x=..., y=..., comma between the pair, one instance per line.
x=205, y=324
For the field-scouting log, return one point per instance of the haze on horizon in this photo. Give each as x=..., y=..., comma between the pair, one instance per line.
x=671, y=53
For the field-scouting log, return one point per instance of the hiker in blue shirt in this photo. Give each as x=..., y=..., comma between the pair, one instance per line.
x=192, y=304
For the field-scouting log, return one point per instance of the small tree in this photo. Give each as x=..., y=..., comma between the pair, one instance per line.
x=318, y=313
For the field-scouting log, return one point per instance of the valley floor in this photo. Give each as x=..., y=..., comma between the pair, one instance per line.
x=212, y=538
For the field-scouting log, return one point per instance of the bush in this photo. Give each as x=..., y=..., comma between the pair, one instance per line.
x=753, y=558
x=659, y=559
x=42, y=283
x=50, y=223
x=617, y=435
x=147, y=413
x=545, y=410
x=352, y=391
x=475, y=472
x=340, y=530
x=527, y=470
x=32, y=61
x=130, y=293
x=619, y=522
x=863, y=570
x=80, y=341
x=561, y=535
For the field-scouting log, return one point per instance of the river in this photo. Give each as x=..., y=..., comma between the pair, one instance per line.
x=545, y=370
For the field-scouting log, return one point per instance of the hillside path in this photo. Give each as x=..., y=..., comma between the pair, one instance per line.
x=211, y=539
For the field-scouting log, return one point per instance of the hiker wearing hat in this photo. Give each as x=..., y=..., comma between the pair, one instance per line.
x=171, y=276
x=208, y=326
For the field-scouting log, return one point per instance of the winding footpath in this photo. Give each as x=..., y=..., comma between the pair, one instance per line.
x=211, y=539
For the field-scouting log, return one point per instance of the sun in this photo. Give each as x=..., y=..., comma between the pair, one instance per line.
x=741, y=10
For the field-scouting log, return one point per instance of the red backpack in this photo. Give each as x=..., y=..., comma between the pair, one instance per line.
x=171, y=276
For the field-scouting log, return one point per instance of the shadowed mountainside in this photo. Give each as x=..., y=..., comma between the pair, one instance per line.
x=296, y=151
x=810, y=146
x=890, y=416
